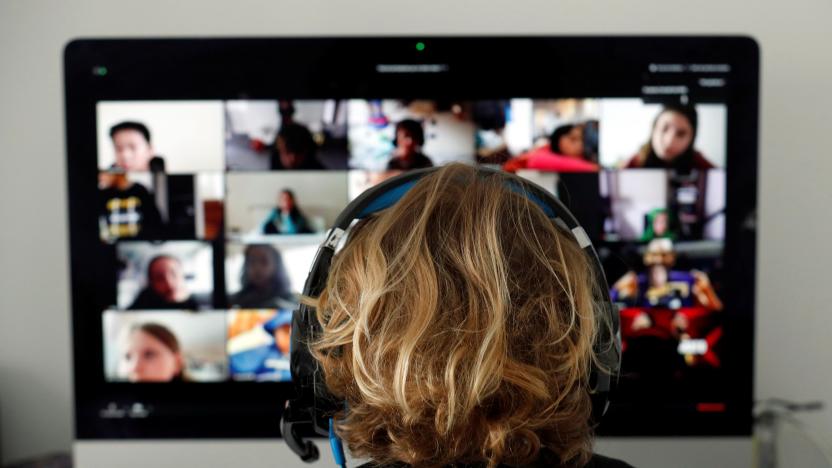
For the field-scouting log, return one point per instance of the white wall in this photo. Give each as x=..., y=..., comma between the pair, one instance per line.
x=793, y=350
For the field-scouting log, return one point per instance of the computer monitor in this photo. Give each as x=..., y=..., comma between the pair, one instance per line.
x=203, y=174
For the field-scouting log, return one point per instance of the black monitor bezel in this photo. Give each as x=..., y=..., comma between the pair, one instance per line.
x=475, y=67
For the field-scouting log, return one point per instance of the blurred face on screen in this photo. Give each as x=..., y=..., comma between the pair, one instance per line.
x=672, y=135
x=133, y=151
x=146, y=359
x=285, y=202
x=260, y=267
x=660, y=252
x=167, y=279
x=572, y=144
x=405, y=143
x=282, y=337
x=660, y=224
x=288, y=158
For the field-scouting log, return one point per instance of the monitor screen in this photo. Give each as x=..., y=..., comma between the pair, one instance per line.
x=201, y=188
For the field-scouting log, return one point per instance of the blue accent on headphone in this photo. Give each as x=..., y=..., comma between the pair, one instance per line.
x=336, y=446
x=386, y=199
x=389, y=198
x=516, y=188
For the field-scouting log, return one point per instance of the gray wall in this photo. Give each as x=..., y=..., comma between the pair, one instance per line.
x=793, y=356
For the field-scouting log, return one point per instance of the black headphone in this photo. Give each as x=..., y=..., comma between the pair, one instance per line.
x=313, y=405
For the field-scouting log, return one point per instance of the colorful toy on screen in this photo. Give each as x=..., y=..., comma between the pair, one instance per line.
x=258, y=345
x=670, y=304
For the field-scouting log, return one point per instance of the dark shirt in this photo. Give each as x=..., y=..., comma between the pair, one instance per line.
x=685, y=162
x=600, y=461
x=546, y=459
x=275, y=224
x=253, y=298
x=147, y=299
x=417, y=161
x=130, y=213
x=309, y=163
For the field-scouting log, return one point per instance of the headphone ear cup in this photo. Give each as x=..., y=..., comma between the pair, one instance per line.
x=600, y=404
x=301, y=363
x=307, y=377
x=604, y=374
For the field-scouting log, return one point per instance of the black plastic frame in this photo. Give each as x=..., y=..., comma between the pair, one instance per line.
x=455, y=68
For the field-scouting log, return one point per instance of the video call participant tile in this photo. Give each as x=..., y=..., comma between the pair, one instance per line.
x=258, y=345
x=165, y=346
x=182, y=137
x=164, y=275
x=403, y=135
x=267, y=273
x=297, y=203
x=646, y=203
x=635, y=134
x=265, y=135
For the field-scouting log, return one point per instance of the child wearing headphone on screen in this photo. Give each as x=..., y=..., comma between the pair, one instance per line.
x=458, y=328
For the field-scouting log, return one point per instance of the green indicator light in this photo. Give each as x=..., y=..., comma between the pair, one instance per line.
x=420, y=46
x=100, y=71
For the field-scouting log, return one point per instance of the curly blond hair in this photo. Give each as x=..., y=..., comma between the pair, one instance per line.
x=458, y=326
